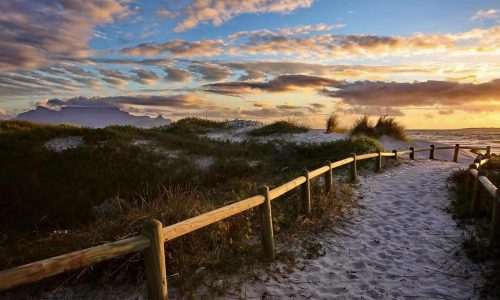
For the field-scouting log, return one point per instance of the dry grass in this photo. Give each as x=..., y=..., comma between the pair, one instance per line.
x=385, y=126
x=49, y=209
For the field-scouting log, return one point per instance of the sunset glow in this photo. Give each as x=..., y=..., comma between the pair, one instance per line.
x=432, y=64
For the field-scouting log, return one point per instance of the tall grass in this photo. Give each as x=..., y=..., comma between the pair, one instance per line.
x=332, y=123
x=387, y=126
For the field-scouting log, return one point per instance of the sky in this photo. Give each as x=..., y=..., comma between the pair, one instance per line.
x=429, y=63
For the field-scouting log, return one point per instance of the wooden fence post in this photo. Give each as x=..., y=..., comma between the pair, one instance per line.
x=154, y=257
x=476, y=194
x=495, y=220
x=395, y=154
x=412, y=153
x=353, y=172
x=378, y=165
x=328, y=177
x=488, y=152
x=469, y=181
x=267, y=225
x=306, y=194
x=431, y=155
x=455, y=155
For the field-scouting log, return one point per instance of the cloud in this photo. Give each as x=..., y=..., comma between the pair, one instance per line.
x=445, y=112
x=210, y=71
x=288, y=31
x=177, y=74
x=179, y=101
x=114, y=77
x=178, y=48
x=281, y=83
x=38, y=33
x=426, y=93
x=372, y=111
x=489, y=14
x=145, y=77
x=270, y=43
x=218, y=12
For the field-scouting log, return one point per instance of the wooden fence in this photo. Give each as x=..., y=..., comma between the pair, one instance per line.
x=154, y=235
x=480, y=183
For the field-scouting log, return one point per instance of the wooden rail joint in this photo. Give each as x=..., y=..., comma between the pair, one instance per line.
x=455, y=154
x=267, y=225
x=306, y=193
x=395, y=154
x=353, y=172
x=412, y=153
x=328, y=176
x=154, y=257
x=378, y=165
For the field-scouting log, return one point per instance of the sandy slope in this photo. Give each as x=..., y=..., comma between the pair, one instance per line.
x=401, y=244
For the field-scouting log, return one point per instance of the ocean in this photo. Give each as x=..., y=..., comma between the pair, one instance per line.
x=471, y=137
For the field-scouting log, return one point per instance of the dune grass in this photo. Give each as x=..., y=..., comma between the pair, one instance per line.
x=280, y=127
x=56, y=202
x=385, y=126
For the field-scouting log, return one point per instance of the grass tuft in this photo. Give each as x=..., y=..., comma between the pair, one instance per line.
x=385, y=126
x=194, y=125
x=280, y=127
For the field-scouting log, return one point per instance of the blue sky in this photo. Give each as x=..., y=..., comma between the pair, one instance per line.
x=258, y=59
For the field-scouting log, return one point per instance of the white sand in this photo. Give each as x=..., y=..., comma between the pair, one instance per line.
x=64, y=143
x=401, y=244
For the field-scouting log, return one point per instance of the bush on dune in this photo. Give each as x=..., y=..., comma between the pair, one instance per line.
x=385, y=126
x=194, y=125
x=280, y=127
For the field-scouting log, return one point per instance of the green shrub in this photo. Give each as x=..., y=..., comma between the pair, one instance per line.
x=194, y=125
x=283, y=127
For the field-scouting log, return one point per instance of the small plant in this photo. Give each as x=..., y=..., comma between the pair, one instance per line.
x=389, y=126
x=385, y=126
x=363, y=126
x=289, y=126
x=332, y=123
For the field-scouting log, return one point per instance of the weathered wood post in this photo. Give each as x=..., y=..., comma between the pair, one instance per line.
x=455, y=155
x=378, y=165
x=328, y=177
x=395, y=154
x=306, y=193
x=488, y=152
x=495, y=220
x=469, y=181
x=154, y=257
x=412, y=153
x=267, y=225
x=476, y=194
x=431, y=155
x=353, y=172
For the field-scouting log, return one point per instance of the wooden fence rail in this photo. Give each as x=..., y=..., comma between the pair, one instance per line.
x=153, y=237
x=482, y=183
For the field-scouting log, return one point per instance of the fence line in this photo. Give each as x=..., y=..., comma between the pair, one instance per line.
x=154, y=234
x=481, y=182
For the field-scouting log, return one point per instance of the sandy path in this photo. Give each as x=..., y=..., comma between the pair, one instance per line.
x=401, y=244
